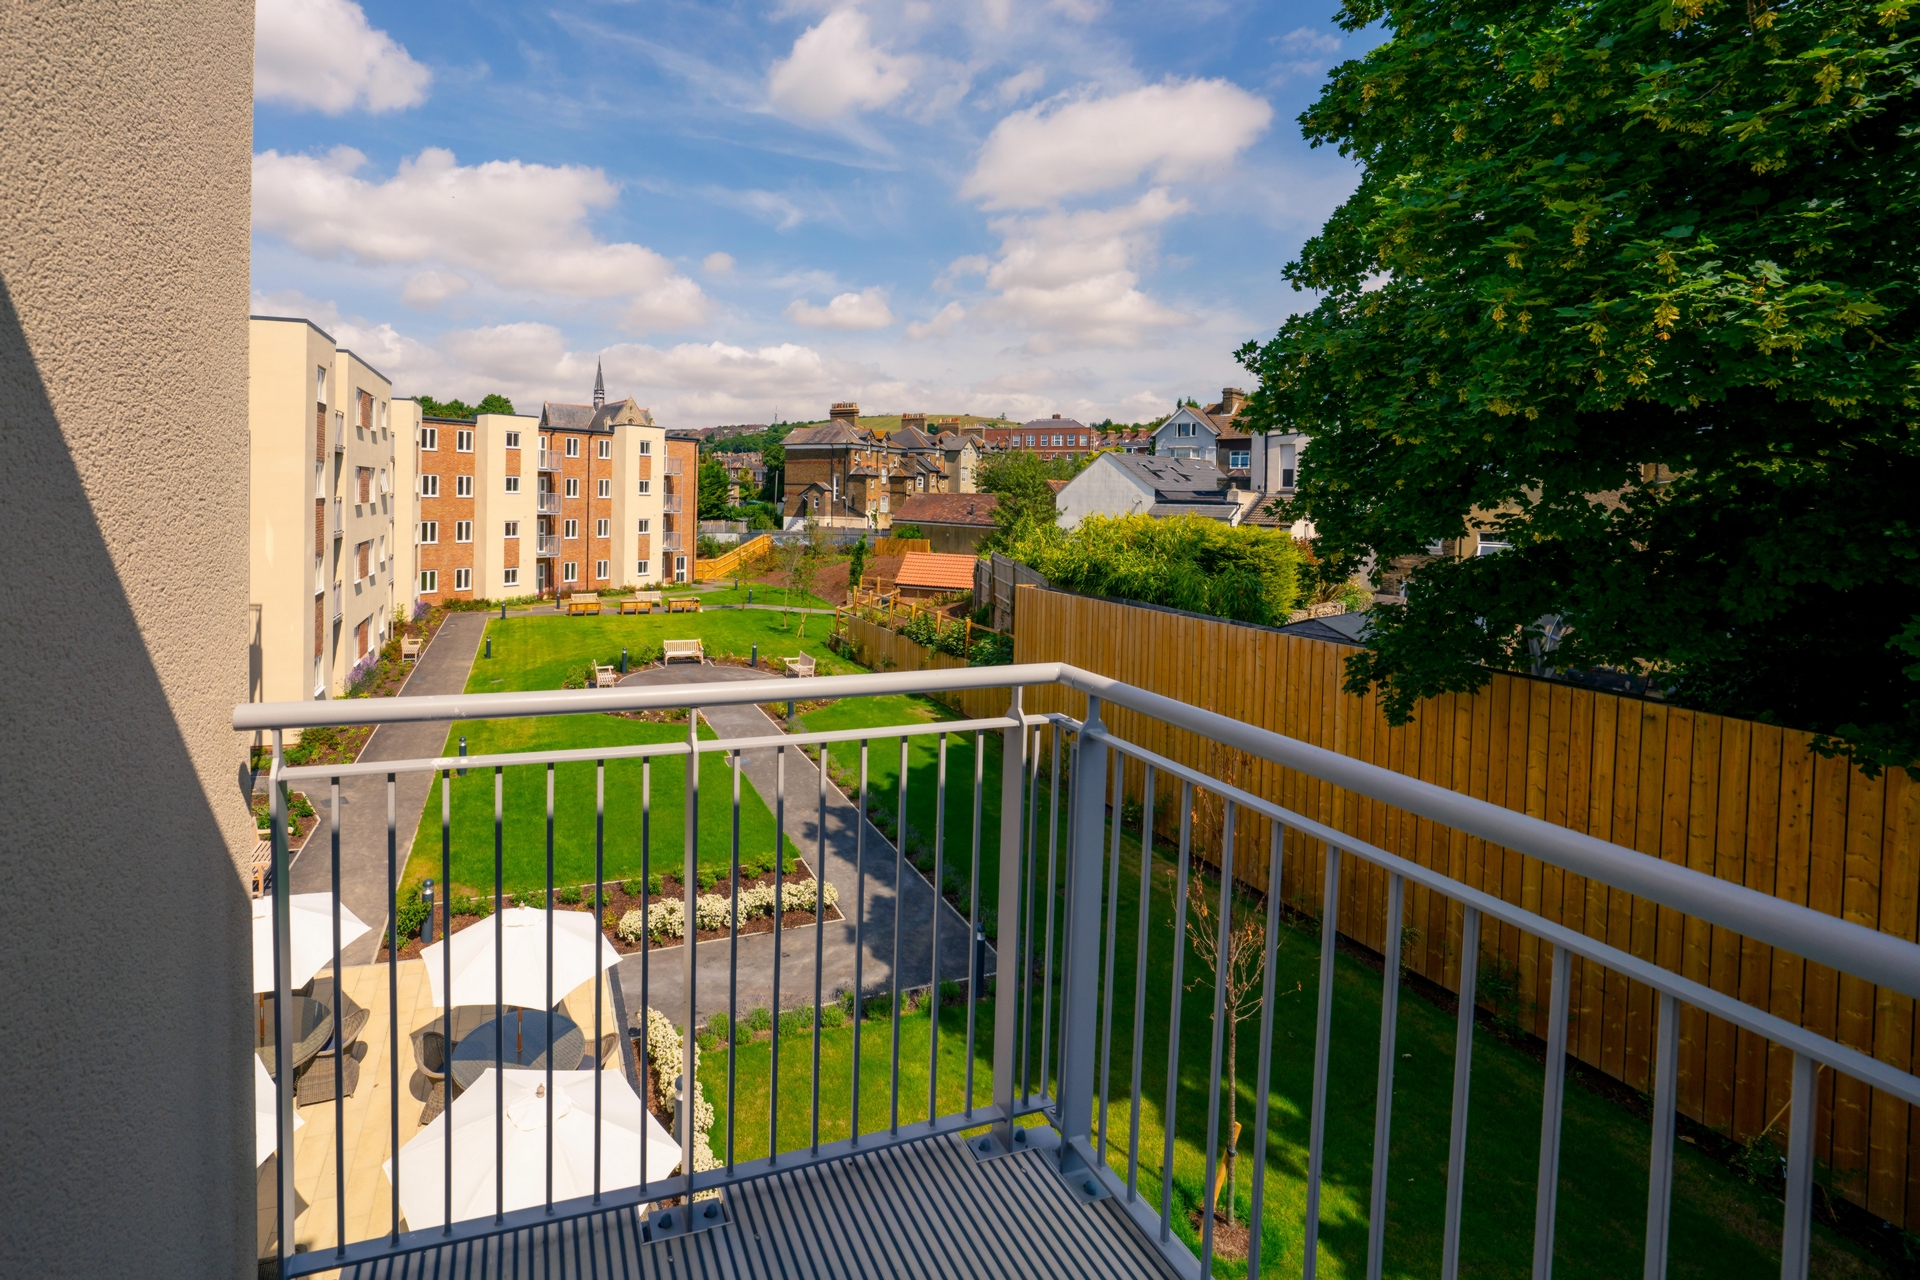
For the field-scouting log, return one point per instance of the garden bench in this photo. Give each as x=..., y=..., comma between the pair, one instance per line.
x=690, y=649
x=633, y=604
x=410, y=647
x=800, y=666
x=684, y=604
x=605, y=677
x=579, y=604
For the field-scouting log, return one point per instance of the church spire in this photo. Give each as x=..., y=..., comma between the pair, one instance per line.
x=599, y=386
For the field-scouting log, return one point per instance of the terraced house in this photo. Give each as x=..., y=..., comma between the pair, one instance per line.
x=846, y=476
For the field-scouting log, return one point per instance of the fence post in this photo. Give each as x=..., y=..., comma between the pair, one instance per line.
x=1080, y=985
x=1008, y=980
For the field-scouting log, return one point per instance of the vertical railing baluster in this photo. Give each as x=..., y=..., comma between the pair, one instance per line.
x=599, y=910
x=779, y=916
x=1031, y=872
x=1140, y=984
x=1113, y=942
x=548, y=1015
x=1666, y=1081
x=445, y=936
x=282, y=909
x=1796, y=1236
x=1553, y=1096
x=975, y=975
x=339, y=1049
x=1270, y=942
x=689, y=883
x=1462, y=1081
x=899, y=912
x=393, y=1002
x=1169, y=1114
x=1080, y=961
x=1323, y=1027
x=733, y=965
x=859, y=940
x=1383, y=1084
x=499, y=1004
x=819, y=936
x=1008, y=946
x=1222, y=973
x=1046, y=974
x=939, y=900
x=643, y=1065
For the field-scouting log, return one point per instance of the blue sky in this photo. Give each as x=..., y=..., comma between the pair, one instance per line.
x=988, y=206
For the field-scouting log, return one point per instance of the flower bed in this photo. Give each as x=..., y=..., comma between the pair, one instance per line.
x=666, y=904
x=301, y=818
x=664, y=1066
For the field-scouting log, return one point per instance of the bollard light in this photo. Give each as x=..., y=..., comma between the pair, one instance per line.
x=749, y=595
x=463, y=752
x=623, y=659
x=426, y=926
x=789, y=710
x=489, y=646
x=503, y=611
x=756, y=656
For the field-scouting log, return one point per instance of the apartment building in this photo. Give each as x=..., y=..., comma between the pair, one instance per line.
x=510, y=505
x=323, y=546
x=844, y=475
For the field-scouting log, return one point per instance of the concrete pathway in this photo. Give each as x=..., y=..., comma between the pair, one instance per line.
x=443, y=668
x=659, y=979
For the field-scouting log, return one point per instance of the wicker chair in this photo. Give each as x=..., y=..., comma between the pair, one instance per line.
x=430, y=1053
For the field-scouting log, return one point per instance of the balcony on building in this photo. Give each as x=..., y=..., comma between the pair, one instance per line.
x=547, y=502
x=549, y=460
x=546, y=545
x=670, y=503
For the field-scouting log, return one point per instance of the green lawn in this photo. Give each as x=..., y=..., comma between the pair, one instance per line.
x=762, y=594
x=1721, y=1226
x=536, y=651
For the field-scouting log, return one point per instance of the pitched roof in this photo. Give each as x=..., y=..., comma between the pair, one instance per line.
x=1257, y=514
x=1211, y=510
x=1174, y=479
x=1055, y=424
x=833, y=433
x=941, y=572
x=585, y=417
x=948, y=508
x=910, y=438
x=1058, y=485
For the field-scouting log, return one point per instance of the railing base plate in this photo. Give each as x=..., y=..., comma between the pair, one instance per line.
x=675, y=1220
x=992, y=1145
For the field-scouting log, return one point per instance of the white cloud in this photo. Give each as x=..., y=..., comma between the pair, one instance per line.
x=835, y=67
x=864, y=310
x=521, y=226
x=973, y=264
x=1020, y=84
x=940, y=325
x=1171, y=132
x=323, y=54
x=717, y=264
x=1304, y=41
x=1073, y=278
x=427, y=289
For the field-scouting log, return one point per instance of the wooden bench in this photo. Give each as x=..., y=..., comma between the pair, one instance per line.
x=640, y=602
x=261, y=873
x=681, y=649
x=579, y=604
x=605, y=677
x=684, y=604
x=800, y=666
x=410, y=648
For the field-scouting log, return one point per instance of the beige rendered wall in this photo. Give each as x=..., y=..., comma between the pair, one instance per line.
x=405, y=425
x=127, y=1124
x=493, y=506
x=368, y=600
x=283, y=357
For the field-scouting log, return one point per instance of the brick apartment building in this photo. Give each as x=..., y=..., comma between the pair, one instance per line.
x=1058, y=437
x=845, y=476
x=584, y=497
x=322, y=558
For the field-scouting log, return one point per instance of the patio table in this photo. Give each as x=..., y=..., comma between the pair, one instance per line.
x=524, y=1045
x=312, y=1028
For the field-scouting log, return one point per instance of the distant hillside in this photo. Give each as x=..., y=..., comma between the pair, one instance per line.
x=887, y=423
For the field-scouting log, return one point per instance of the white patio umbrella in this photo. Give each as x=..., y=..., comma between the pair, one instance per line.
x=523, y=972
x=471, y=1118
x=263, y=1127
x=312, y=934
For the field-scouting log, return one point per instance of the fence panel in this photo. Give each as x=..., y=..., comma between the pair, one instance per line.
x=1745, y=802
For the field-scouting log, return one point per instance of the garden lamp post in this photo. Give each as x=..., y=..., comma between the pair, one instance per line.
x=489, y=646
x=755, y=664
x=623, y=659
x=463, y=752
x=426, y=926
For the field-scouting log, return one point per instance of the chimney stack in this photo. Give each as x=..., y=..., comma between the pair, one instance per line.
x=1232, y=400
x=847, y=411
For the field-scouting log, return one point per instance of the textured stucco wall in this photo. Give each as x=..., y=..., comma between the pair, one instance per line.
x=125, y=1031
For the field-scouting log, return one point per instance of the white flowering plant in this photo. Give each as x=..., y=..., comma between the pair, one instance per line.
x=666, y=918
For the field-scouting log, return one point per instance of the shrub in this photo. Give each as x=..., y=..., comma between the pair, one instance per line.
x=758, y=1020
x=949, y=992
x=412, y=913
x=569, y=894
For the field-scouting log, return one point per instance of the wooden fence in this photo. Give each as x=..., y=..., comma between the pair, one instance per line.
x=1746, y=802
x=875, y=647
x=736, y=560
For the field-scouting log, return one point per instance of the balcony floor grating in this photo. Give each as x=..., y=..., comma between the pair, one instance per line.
x=926, y=1209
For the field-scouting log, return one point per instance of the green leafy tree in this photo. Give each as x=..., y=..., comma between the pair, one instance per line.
x=444, y=408
x=494, y=403
x=713, y=491
x=857, y=561
x=1632, y=287
x=774, y=457
x=1248, y=573
x=1018, y=479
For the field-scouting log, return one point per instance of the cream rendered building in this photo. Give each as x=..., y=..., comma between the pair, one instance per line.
x=323, y=507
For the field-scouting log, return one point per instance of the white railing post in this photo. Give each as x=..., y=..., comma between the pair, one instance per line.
x=1080, y=986
x=282, y=1009
x=1009, y=982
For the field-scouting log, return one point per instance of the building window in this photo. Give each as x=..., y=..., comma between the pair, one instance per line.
x=362, y=554
x=463, y=442
x=320, y=381
x=606, y=451
x=569, y=571
x=463, y=531
x=646, y=487
x=429, y=582
x=510, y=577
x=646, y=525
x=602, y=528
x=364, y=477
x=429, y=531
x=1183, y=429
x=1237, y=459
x=1286, y=477
x=1056, y=442
x=513, y=484
x=1437, y=547
x=1489, y=547
x=463, y=486
x=573, y=529
x=513, y=439
x=600, y=573
x=573, y=451
x=429, y=486
x=360, y=639
x=606, y=488
x=463, y=579
x=646, y=448
x=644, y=568
x=511, y=529
x=429, y=438
x=573, y=486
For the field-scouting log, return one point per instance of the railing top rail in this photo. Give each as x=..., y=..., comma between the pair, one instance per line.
x=1878, y=957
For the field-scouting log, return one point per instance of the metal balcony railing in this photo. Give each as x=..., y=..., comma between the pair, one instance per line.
x=339, y=433
x=1054, y=903
x=670, y=541
x=339, y=522
x=675, y=467
x=547, y=503
x=670, y=503
x=549, y=460
x=547, y=544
